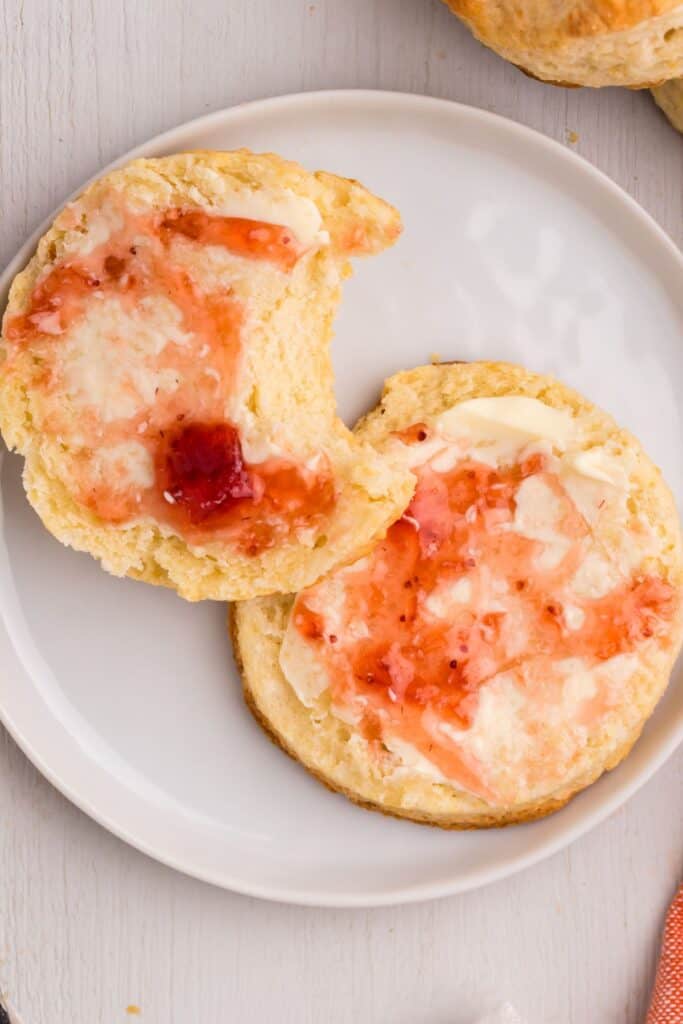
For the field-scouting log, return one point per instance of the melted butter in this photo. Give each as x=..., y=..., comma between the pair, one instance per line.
x=496, y=428
x=298, y=213
x=597, y=464
x=278, y=206
x=498, y=632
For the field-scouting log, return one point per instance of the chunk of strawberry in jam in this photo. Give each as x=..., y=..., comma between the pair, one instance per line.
x=204, y=469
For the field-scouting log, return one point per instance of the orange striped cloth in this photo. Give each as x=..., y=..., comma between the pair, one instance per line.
x=667, y=998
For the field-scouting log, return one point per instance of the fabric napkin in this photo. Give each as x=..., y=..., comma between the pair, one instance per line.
x=667, y=997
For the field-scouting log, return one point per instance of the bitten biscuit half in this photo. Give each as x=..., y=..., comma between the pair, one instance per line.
x=505, y=643
x=635, y=43
x=166, y=375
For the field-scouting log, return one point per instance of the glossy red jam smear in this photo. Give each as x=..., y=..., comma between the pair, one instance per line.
x=204, y=470
x=203, y=488
x=414, y=670
x=253, y=239
x=55, y=303
x=121, y=267
x=204, y=476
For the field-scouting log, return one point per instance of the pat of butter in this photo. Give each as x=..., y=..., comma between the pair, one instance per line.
x=495, y=430
x=412, y=761
x=497, y=419
x=282, y=206
x=301, y=667
x=598, y=464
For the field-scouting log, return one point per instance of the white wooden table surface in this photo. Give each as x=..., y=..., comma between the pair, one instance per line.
x=91, y=930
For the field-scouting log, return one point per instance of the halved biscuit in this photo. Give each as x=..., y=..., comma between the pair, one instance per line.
x=166, y=375
x=505, y=643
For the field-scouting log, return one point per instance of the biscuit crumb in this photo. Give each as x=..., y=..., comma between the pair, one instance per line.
x=133, y=1010
x=572, y=137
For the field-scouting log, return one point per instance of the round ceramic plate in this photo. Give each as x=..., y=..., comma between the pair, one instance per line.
x=127, y=698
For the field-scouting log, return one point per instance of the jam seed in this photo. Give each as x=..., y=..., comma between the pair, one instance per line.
x=114, y=266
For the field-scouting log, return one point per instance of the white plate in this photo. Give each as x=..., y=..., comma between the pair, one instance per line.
x=126, y=698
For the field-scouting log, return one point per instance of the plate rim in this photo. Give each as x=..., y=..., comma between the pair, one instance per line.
x=109, y=819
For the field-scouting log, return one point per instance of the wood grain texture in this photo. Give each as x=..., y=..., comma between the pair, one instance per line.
x=89, y=927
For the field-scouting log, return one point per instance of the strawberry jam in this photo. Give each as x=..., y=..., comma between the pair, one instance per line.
x=122, y=266
x=250, y=238
x=54, y=304
x=210, y=491
x=456, y=597
x=208, y=486
x=203, y=469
